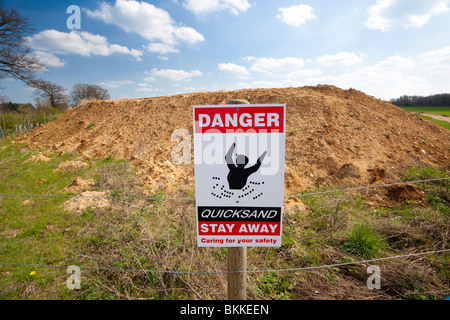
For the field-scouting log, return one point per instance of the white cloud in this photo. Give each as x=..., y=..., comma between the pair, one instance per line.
x=386, y=14
x=439, y=69
x=144, y=87
x=261, y=84
x=376, y=20
x=274, y=65
x=386, y=79
x=391, y=77
x=202, y=7
x=391, y=70
x=249, y=58
x=436, y=56
x=296, y=15
x=303, y=73
x=394, y=63
x=436, y=62
x=188, y=35
x=176, y=75
x=345, y=59
x=162, y=48
x=150, y=22
x=116, y=83
x=50, y=42
x=238, y=70
x=149, y=78
x=49, y=59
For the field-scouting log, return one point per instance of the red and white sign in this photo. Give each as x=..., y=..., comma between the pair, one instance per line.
x=239, y=174
x=250, y=119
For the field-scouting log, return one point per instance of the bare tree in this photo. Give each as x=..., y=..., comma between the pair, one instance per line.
x=15, y=58
x=54, y=93
x=82, y=91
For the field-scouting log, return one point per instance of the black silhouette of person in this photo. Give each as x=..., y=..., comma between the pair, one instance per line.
x=238, y=175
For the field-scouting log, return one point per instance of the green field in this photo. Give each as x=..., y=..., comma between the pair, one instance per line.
x=445, y=111
x=443, y=124
x=438, y=110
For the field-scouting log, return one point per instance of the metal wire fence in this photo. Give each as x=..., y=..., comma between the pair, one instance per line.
x=221, y=272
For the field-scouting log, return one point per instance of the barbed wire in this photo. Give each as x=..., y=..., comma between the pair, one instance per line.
x=222, y=272
x=231, y=271
x=367, y=187
x=193, y=199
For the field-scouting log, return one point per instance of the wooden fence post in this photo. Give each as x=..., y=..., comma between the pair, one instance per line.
x=237, y=259
x=237, y=273
x=4, y=126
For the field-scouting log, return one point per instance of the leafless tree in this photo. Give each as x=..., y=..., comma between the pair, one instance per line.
x=82, y=91
x=55, y=94
x=15, y=58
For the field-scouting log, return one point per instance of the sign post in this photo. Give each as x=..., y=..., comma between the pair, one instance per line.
x=237, y=261
x=4, y=126
x=237, y=273
x=239, y=181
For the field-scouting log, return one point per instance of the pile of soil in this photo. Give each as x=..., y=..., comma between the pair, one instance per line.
x=92, y=199
x=71, y=166
x=39, y=157
x=333, y=136
x=79, y=185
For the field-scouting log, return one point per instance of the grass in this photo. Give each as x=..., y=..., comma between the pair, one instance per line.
x=152, y=236
x=363, y=241
x=437, y=191
x=426, y=173
x=443, y=124
x=32, y=227
x=437, y=110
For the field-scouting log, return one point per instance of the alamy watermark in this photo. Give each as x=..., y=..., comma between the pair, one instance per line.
x=181, y=153
x=216, y=144
x=74, y=20
x=74, y=280
x=374, y=280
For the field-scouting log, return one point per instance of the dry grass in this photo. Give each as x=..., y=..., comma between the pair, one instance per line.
x=133, y=243
x=160, y=236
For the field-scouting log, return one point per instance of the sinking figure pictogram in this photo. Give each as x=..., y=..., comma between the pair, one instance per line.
x=238, y=175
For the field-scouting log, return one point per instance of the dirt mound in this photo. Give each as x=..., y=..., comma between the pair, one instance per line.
x=71, y=166
x=39, y=157
x=79, y=185
x=405, y=192
x=92, y=199
x=333, y=136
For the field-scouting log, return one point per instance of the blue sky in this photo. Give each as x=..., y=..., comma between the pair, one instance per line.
x=385, y=48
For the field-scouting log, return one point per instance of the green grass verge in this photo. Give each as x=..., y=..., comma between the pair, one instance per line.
x=437, y=110
x=443, y=124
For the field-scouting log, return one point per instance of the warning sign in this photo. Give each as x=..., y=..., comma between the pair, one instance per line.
x=239, y=174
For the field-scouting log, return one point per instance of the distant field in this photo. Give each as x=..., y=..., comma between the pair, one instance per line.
x=437, y=110
x=444, y=111
x=444, y=124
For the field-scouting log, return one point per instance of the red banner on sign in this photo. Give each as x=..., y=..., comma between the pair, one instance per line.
x=239, y=228
x=249, y=119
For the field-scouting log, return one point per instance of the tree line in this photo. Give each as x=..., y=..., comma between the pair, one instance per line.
x=18, y=62
x=50, y=102
x=436, y=100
